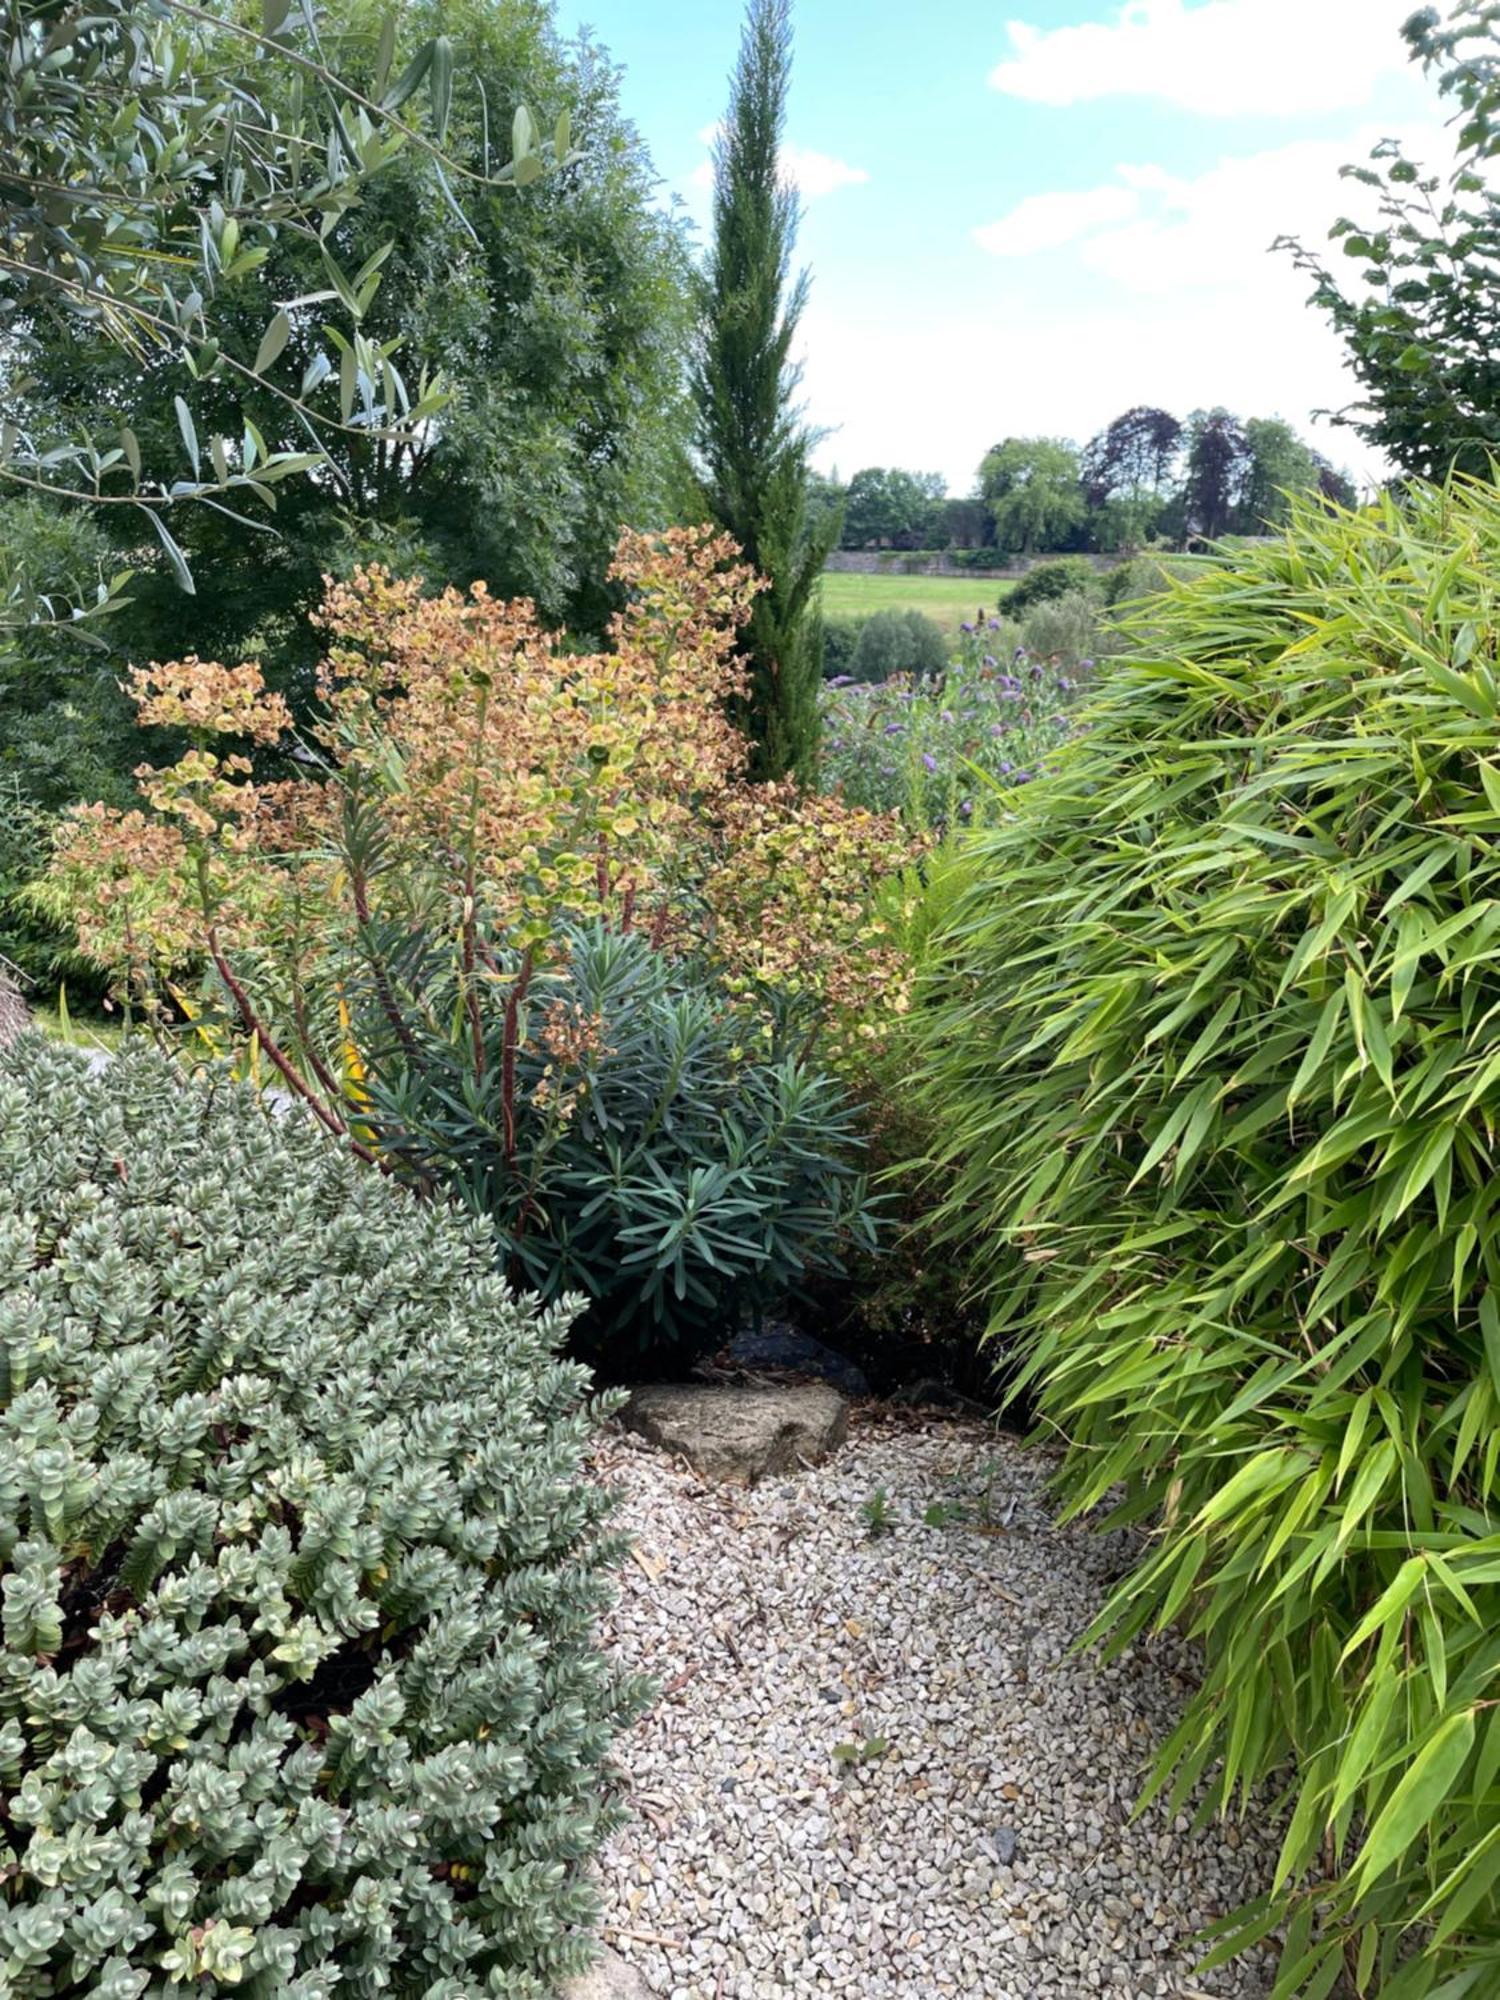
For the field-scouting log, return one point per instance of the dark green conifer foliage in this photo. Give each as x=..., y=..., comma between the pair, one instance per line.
x=752, y=444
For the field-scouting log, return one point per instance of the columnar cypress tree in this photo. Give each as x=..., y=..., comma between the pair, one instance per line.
x=752, y=445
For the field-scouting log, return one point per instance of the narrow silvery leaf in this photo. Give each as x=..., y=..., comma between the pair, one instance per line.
x=272, y=341
x=189, y=430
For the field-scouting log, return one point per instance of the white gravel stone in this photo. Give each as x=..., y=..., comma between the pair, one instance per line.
x=876, y=1768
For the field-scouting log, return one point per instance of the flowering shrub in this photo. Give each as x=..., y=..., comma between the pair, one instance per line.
x=475, y=792
x=793, y=912
x=463, y=762
x=935, y=750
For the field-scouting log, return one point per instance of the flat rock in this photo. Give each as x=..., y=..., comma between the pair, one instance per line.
x=740, y=1434
x=610, y=1978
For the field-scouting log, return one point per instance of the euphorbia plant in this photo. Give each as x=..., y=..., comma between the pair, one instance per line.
x=471, y=794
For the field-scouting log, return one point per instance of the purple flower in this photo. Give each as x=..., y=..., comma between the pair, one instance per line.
x=965, y=808
x=966, y=626
x=837, y=743
x=990, y=660
x=1064, y=685
x=929, y=760
x=1024, y=777
x=842, y=681
x=1005, y=769
x=1084, y=665
x=947, y=715
x=997, y=729
x=994, y=624
x=1020, y=652
x=895, y=729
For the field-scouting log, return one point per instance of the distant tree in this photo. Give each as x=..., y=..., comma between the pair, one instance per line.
x=891, y=506
x=826, y=498
x=1133, y=456
x=963, y=523
x=1334, y=485
x=1218, y=461
x=1032, y=489
x=1419, y=321
x=1279, y=464
x=751, y=441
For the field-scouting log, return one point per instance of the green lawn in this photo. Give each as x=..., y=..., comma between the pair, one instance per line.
x=948, y=599
x=87, y=1031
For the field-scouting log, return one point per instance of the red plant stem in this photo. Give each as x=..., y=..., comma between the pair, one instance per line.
x=627, y=913
x=319, y=1068
x=293, y=1077
x=601, y=872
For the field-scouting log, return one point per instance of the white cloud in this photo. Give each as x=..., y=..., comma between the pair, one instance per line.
x=1149, y=231
x=810, y=172
x=1221, y=58
x=1045, y=221
x=813, y=173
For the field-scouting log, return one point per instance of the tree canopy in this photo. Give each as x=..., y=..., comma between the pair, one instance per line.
x=155, y=157
x=1033, y=489
x=558, y=320
x=1416, y=297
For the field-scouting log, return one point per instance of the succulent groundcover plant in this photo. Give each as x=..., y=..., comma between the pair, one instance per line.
x=299, y=1692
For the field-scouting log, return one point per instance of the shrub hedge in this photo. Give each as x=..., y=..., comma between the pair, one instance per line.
x=1214, y=1051
x=1066, y=576
x=298, y=1687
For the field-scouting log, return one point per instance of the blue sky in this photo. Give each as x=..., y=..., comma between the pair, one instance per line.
x=1024, y=218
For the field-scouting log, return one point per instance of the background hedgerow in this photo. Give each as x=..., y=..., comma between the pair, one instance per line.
x=898, y=642
x=1211, y=1058
x=298, y=1686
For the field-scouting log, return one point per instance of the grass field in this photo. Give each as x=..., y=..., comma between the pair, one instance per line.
x=948, y=599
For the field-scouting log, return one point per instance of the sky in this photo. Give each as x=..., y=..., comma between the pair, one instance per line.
x=1021, y=218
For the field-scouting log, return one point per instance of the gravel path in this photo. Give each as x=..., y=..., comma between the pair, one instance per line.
x=876, y=1771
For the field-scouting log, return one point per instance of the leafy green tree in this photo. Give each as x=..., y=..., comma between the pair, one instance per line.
x=891, y=507
x=752, y=445
x=963, y=523
x=1280, y=464
x=826, y=497
x=560, y=320
x=154, y=157
x=1418, y=315
x=1032, y=489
